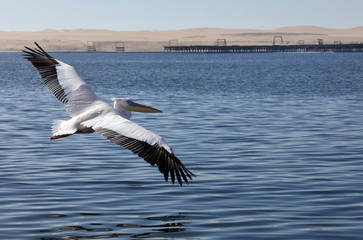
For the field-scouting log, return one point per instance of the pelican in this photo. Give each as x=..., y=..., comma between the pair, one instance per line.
x=90, y=114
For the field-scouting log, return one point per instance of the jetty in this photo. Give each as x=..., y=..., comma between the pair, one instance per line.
x=320, y=47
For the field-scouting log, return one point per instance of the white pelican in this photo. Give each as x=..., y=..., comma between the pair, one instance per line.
x=90, y=114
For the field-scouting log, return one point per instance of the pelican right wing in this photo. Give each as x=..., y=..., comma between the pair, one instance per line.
x=148, y=145
x=62, y=80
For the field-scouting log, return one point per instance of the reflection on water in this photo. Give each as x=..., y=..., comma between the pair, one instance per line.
x=164, y=224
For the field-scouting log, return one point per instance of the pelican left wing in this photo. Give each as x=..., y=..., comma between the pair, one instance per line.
x=62, y=80
x=151, y=147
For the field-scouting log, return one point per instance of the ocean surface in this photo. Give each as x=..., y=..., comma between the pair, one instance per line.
x=276, y=142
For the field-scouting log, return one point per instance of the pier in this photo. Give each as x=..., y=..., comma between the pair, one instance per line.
x=106, y=46
x=352, y=47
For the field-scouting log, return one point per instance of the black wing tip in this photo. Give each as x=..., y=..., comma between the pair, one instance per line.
x=33, y=53
x=46, y=66
x=39, y=46
x=177, y=172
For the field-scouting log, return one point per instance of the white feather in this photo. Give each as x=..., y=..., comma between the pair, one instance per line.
x=127, y=128
x=79, y=94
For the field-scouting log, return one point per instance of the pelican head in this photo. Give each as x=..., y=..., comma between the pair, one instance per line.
x=125, y=106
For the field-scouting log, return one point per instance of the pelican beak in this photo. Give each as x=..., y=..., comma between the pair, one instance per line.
x=136, y=107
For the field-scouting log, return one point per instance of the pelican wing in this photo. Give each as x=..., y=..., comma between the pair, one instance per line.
x=151, y=147
x=62, y=80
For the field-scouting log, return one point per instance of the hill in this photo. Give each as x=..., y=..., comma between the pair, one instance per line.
x=104, y=40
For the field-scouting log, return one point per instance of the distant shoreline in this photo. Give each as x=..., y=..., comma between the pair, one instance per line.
x=154, y=41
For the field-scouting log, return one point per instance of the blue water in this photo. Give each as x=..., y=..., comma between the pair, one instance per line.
x=276, y=142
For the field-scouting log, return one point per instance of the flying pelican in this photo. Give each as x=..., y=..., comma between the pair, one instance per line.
x=90, y=114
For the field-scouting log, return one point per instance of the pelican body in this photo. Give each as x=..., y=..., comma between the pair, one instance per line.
x=90, y=114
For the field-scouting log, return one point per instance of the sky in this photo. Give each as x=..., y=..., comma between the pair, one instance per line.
x=134, y=15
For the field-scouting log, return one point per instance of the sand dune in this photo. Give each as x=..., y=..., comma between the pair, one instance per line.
x=104, y=40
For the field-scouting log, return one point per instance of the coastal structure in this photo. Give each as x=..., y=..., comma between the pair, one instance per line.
x=119, y=46
x=91, y=46
x=300, y=47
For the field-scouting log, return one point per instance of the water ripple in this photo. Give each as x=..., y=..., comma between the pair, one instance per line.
x=274, y=139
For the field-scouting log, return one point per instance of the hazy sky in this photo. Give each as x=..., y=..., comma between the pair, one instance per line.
x=35, y=15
